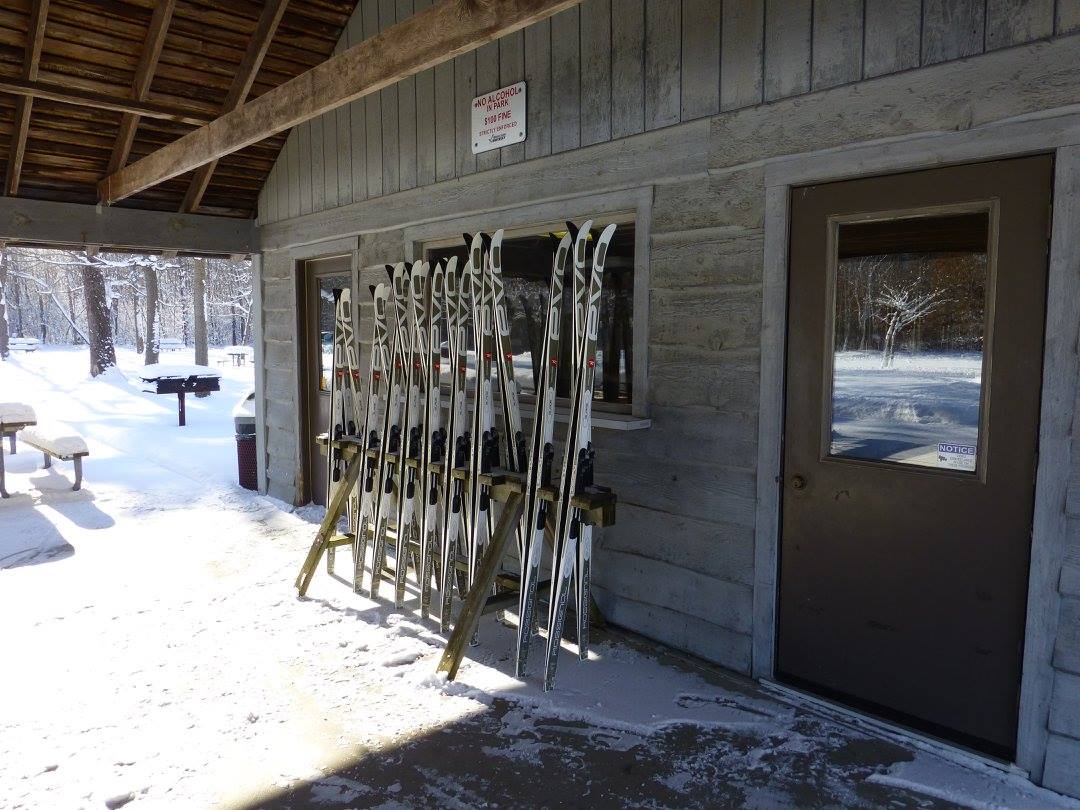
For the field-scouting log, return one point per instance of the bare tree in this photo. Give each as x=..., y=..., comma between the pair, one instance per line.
x=102, y=348
x=152, y=345
x=4, y=350
x=904, y=305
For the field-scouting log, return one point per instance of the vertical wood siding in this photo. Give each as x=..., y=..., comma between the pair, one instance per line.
x=612, y=68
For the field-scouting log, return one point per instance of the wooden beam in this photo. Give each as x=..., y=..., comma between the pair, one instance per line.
x=272, y=12
x=35, y=37
x=47, y=223
x=144, y=75
x=101, y=101
x=447, y=29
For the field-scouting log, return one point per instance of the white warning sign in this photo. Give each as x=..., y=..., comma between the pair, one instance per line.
x=498, y=118
x=957, y=456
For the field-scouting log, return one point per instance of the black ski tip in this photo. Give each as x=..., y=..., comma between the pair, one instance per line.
x=337, y=294
x=371, y=288
x=486, y=240
x=390, y=271
x=555, y=240
x=572, y=229
x=468, y=239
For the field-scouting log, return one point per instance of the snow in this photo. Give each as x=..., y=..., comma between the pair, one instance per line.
x=158, y=654
x=902, y=413
x=15, y=412
x=58, y=439
x=157, y=370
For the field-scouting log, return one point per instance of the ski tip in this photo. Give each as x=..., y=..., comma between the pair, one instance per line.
x=390, y=270
x=572, y=229
x=486, y=239
x=468, y=239
x=371, y=289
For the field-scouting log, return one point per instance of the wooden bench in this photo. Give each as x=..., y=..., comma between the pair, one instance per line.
x=14, y=416
x=55, y=443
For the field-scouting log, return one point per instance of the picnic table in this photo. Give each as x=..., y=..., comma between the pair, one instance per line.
x=180, y=380
x=14, y=416
x=23, y=344
x=239, y=354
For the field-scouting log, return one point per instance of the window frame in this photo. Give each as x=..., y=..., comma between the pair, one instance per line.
x=621, y=207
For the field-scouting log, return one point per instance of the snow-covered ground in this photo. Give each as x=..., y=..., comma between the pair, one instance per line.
x=156, y=654
x=904, y=412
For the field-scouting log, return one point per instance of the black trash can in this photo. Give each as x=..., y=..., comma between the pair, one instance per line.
x=247, y=466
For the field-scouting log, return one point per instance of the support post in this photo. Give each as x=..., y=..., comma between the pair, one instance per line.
x=182, y=413
x=326, y=529
x=3, y=489
x=469, y=618
x=78, y=474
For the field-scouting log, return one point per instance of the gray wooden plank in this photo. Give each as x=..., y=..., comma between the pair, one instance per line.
x=1067, y=19
x=663, y=39
x=487, y=79
x=283, y=185
x=443, y=122
x=318, y=164
x=406, y=90
x=293, y=156
x=464, y=93
x=742, y=44
x=373, y=113
x=512, y=71
x=425, y=119
x=352, y=120
x=700, y=85
x=1014, y=22
x=565, y=81
x=893, y=29
x=344, y=155
x=391, y=167
x=951, y=29
x=539, y=97
x=836, y=54
x=595, y=71
x=627, y=67
x=303, y=148
x=787, y=47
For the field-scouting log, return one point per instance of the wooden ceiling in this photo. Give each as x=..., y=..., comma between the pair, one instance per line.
x=107, y=47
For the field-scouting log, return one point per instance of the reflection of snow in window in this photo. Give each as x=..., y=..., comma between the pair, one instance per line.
x=908, y=340
x=527, y=276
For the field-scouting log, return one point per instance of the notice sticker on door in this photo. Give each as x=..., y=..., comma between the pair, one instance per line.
x=957, y=456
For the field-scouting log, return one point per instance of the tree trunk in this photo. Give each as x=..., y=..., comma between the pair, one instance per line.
x=102, y=350
x=75, y=338
x=135, y=320
x=151, y=355
x=199, y=296
x=4, y=350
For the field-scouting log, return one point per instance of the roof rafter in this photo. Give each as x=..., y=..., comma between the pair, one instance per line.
x=430, y=37
x=144, y=75
x=271, y=15
x=102, y=101
x=35, y=37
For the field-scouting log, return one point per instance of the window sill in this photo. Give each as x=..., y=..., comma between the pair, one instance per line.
x=602, y=420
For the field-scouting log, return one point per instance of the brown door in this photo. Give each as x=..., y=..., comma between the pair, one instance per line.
x=322, y=277
x=914, y=355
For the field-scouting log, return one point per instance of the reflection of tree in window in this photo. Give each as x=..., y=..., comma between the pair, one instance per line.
x=527, y=277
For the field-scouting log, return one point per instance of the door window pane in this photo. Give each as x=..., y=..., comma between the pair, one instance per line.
x=908, y=340
x=325, y=286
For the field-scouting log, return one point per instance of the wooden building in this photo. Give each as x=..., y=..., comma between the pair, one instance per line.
x=762, y=158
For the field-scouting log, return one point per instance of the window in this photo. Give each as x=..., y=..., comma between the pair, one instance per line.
x=909, y=335
x=325, y=286
x=527, y=258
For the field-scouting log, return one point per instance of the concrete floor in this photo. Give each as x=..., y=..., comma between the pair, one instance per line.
x=510, y=756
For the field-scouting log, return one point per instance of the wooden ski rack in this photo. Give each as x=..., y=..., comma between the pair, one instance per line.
x=597, y=505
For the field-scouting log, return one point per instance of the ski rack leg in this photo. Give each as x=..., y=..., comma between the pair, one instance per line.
x=326, y=528
x=469, y=618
